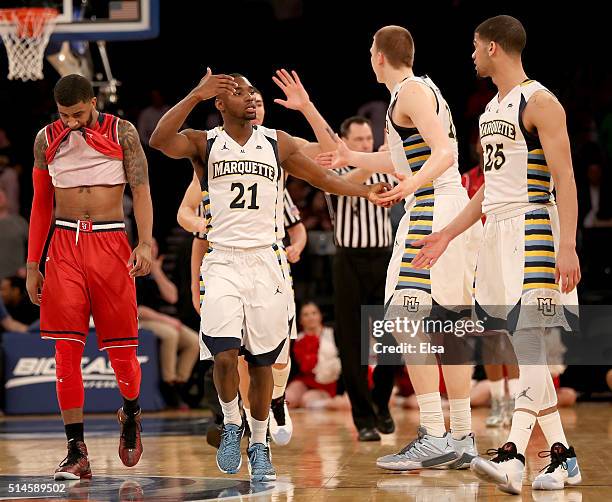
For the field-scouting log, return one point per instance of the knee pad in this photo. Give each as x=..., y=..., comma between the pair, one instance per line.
x=127, y=370
x=69, y=380
x=550, y=394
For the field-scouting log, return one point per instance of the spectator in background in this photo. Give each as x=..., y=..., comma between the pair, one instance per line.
x=9, y=182
x=473, y=179
x=13, y=240
x=6, y=148
x=315, y=216
x=179, y=345
x=316, y=357
x=17, y=301
x=595, y=204
x=7, y=323
x=149, y=117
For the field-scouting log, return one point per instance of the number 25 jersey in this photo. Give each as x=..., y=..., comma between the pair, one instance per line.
x=515, y=170
x=242, y=189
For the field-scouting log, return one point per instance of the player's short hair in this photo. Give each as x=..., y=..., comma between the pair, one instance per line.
x=345, y=127
x=396, y=43
x=73, y=89
x=17, y=282
x=507, y=31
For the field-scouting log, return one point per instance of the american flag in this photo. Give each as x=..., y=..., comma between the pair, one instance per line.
x=124, y=10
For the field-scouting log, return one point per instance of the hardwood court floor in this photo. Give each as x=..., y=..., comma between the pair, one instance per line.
x=324, y=461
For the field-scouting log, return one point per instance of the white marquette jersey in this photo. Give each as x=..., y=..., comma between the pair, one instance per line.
x=409, y=151
x=515, y=170
x=242, y=189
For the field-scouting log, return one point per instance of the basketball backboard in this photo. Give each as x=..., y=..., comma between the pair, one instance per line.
x=99, y=19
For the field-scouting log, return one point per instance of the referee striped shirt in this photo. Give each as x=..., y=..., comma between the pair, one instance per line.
x=357, y=222
x=291, y=214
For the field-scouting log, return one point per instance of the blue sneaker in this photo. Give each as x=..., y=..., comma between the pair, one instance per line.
x=229, y=457
x=260, y=467
x=562, y=470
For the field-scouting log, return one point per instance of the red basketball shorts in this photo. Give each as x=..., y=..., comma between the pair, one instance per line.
x=86, y=274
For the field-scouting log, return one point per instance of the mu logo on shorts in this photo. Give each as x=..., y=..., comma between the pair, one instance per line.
x=546, y=306
x=411, y=304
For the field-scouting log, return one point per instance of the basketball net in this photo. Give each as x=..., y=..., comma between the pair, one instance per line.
x=25, y=33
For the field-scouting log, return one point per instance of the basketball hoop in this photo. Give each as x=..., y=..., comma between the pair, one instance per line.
x=25, y=33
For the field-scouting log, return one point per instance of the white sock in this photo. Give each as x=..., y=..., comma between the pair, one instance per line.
x=553, y=429
x=522, y=427
x=259, y=429
x=460, y=417
x=513, y=387
x=497, y=389
x=280, y=378
x=231, y=412
x=432, y=418
x=249, y=418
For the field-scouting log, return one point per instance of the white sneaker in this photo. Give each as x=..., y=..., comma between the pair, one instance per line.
x=281, y=426
x=562, y=470
x=466, y=451
x=505, y=469
x=424, y=452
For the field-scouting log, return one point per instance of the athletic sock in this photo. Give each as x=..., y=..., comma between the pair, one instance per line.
x=553, y=429
x=522, y=427
x=231, y=412
x=131, y=407
x=460, y=417
x=259, y=429
x=432, y=418
x=74, y=432
x=513, y=387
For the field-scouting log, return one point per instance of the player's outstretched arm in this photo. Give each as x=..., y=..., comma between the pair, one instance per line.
x=546, y=114
x=341, y=156
x=40, y=219
x=300, y=166
x=166, y=136
x=137, y=173
x=433, y=245
x=416, y=103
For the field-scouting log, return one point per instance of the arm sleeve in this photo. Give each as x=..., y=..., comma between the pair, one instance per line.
x=40, y=218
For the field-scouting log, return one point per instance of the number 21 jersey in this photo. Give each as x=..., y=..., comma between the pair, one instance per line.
x=515, y=170
x=242, y=189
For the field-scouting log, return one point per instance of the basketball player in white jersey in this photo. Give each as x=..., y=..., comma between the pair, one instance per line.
x=528, y=259
x=423, y=155
x=191, y=217
x=245, y=306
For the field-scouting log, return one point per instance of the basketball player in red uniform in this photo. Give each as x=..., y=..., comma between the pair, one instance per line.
x=85, y=159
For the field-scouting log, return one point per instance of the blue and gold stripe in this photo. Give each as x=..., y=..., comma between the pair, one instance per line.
x=421, y=219
x=538, y=177
x=539, y=271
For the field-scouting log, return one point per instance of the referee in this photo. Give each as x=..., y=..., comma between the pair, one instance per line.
x=363, y=238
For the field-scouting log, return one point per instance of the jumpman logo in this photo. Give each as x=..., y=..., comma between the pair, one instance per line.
x=278, y=290
x=524, y=394
x=530, y=427
x=225, y=147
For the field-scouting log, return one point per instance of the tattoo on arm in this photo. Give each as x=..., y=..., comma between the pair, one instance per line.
x=134, y=159
x=40, y=147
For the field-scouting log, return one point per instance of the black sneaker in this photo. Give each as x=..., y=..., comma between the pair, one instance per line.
x=281, y=426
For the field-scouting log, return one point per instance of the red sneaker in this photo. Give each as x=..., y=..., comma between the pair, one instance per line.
x=76, y=464
x=130, y=446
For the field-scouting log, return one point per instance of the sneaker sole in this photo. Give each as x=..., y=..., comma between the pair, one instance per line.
x=440, y=461
x=542, y=485
x=484, y=471
x=463, y=462
x=68, y=476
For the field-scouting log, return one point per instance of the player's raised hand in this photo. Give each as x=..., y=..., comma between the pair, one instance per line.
x=337, y=158
x=403, y=189
x=213, y=85
x=432, y=246
x=290, y=84
x=140, y=260
x=567, y=269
